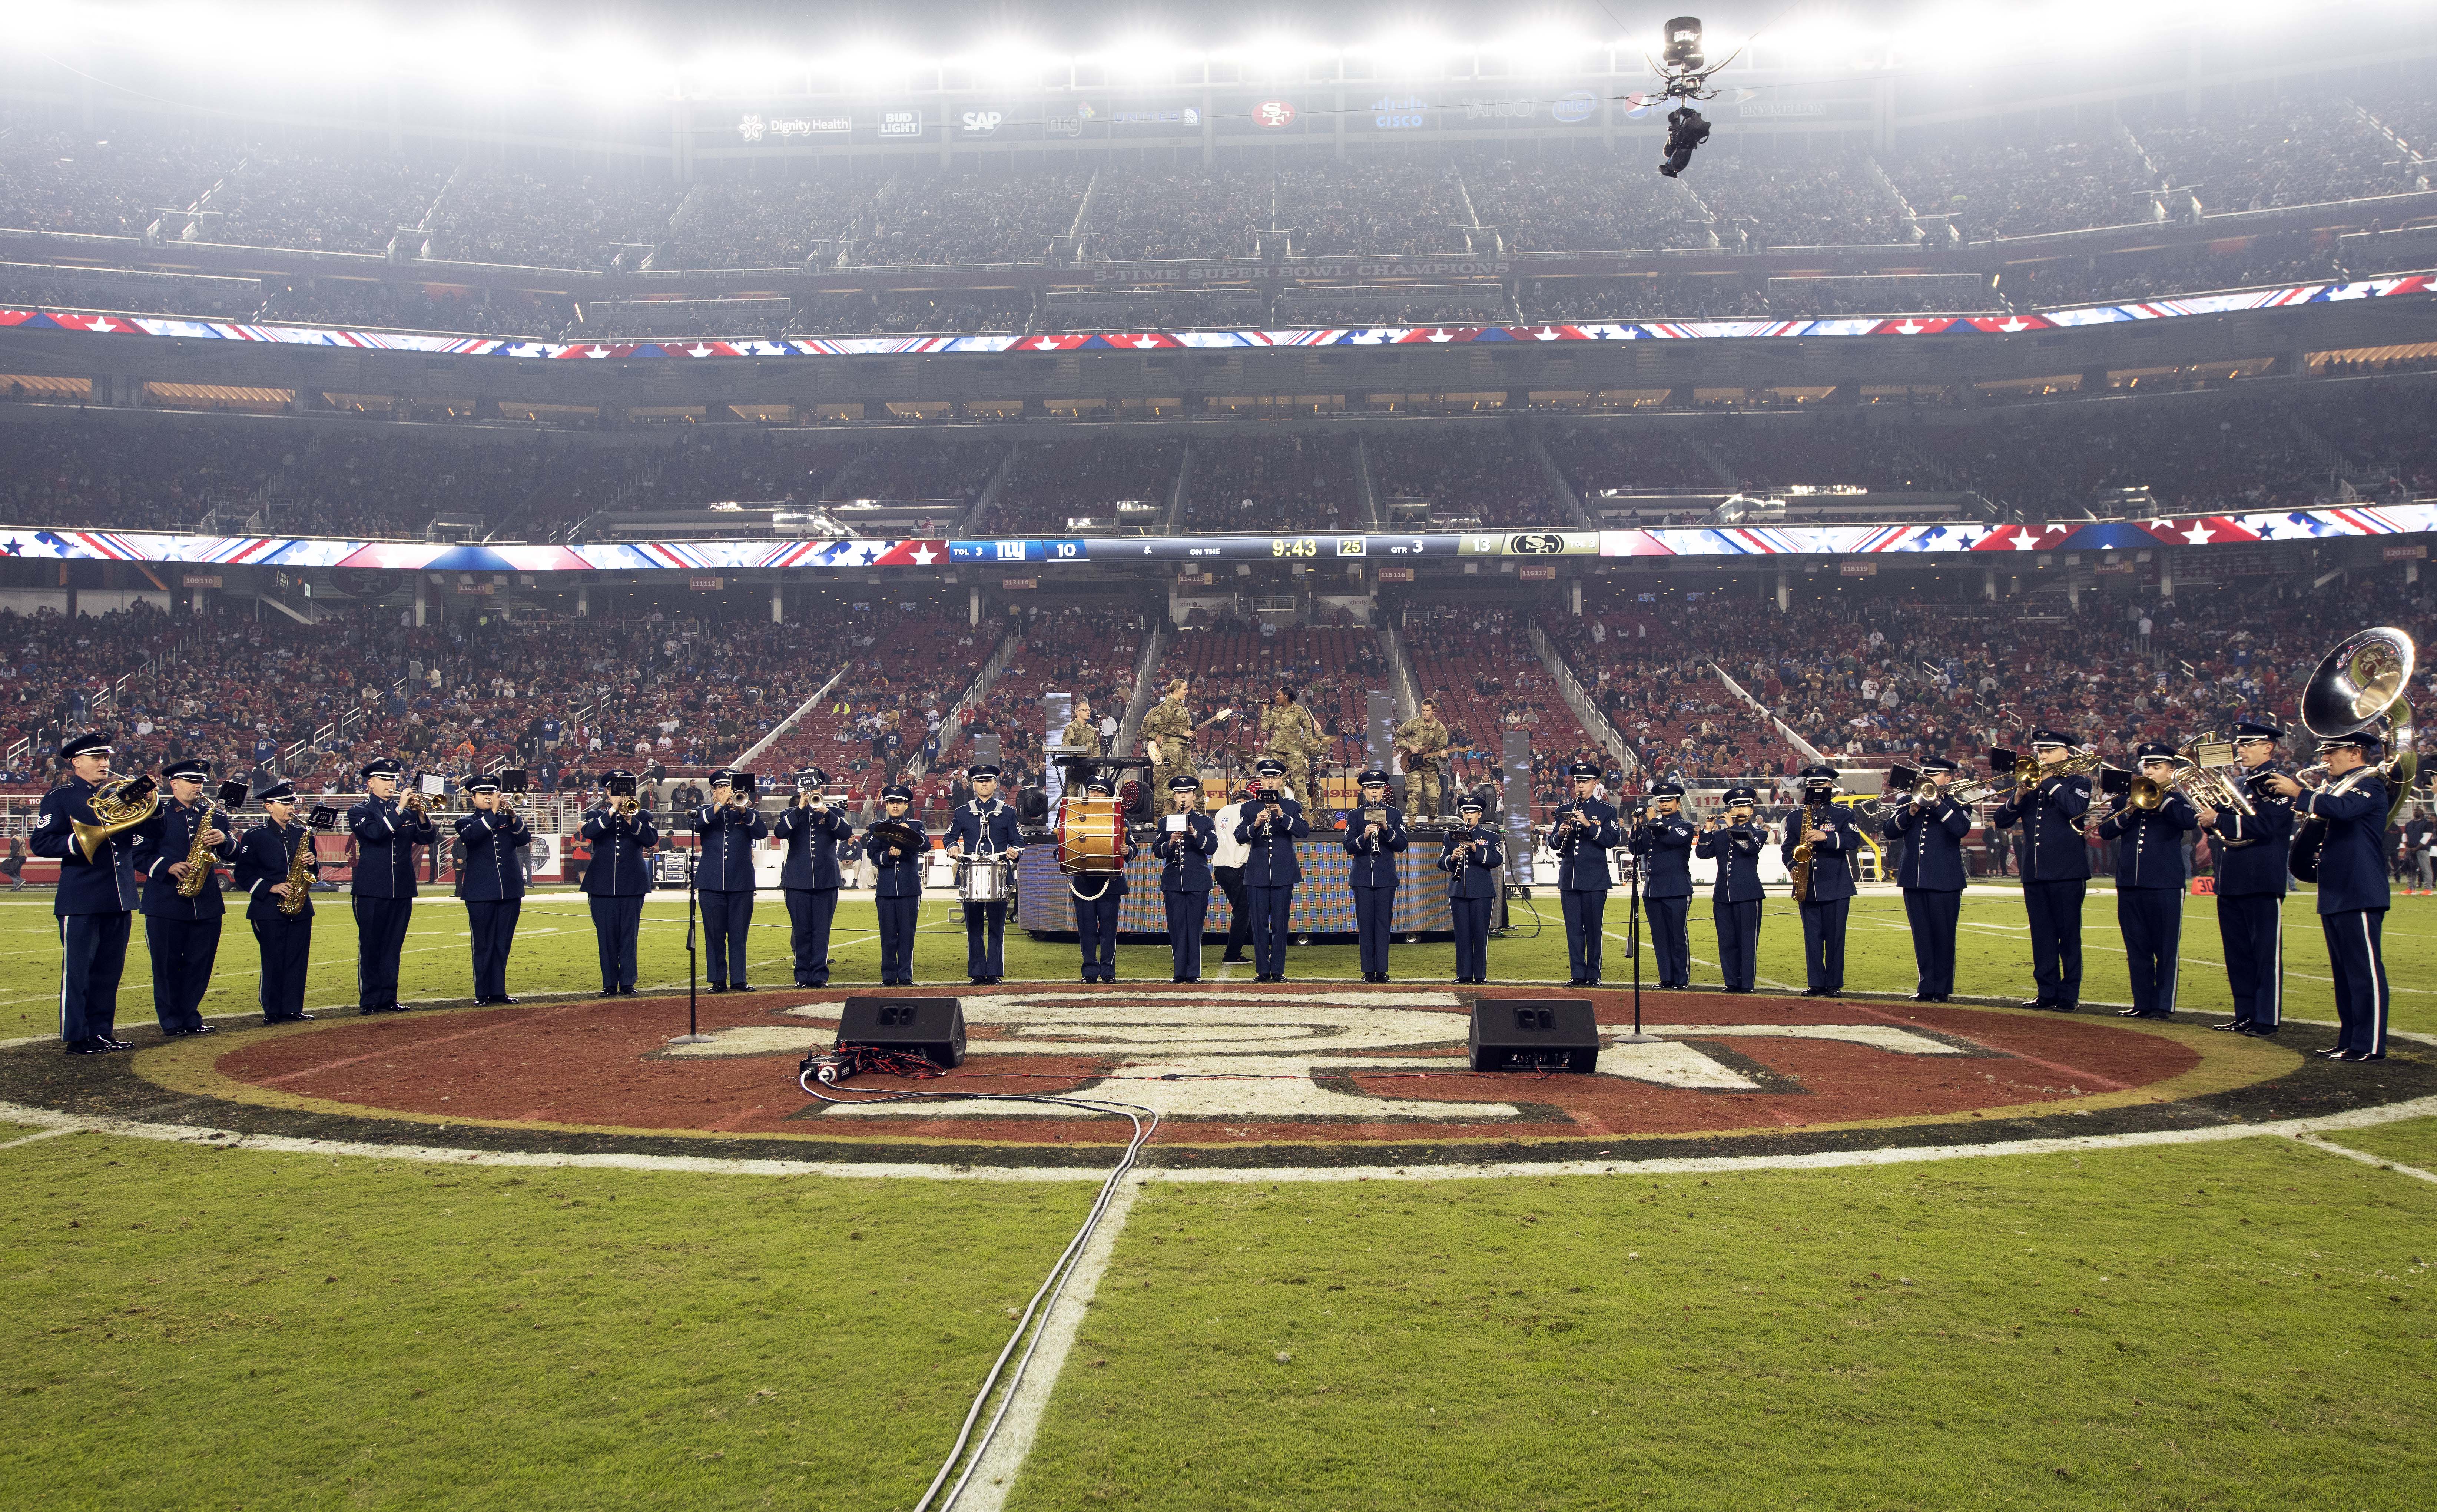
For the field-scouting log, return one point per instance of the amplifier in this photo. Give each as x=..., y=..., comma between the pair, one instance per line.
x=1534, y=1034
x=932, y=1028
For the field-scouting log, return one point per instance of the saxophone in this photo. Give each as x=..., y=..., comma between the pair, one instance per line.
x=200, y=859
x=1812, y=816
x=300, y=877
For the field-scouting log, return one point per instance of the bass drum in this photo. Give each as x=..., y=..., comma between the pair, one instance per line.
x=1091, y=836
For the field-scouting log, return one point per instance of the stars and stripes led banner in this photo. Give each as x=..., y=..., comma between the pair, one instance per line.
x=1992, y=542
x=1053, y=343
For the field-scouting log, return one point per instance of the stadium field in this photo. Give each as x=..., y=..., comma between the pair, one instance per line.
x=2228, y=1320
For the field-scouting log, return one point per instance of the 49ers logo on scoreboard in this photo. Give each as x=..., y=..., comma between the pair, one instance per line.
x=1274, y=114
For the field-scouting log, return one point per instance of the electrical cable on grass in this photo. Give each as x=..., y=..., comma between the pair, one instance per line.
x=828, y=1070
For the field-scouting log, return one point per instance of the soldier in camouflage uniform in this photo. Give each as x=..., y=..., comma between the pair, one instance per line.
x=1167, y=737
x=1082, y=737
x=1290, y=735
x=1423, y=740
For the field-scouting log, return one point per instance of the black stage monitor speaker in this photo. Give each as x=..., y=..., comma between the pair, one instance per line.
x=1532, y=1034
x=932, y=1028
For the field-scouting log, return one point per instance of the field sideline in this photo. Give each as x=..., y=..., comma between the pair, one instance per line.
x=2240, y=1323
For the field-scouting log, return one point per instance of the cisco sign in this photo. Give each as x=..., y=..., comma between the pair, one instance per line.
x=1400, y=112
x=1572, y=110
x=981, y=123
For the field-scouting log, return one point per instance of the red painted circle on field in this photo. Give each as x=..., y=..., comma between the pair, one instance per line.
x=1302, y=1066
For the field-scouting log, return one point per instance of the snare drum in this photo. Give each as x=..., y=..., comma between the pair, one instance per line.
x=982, y=878
x=1091, y=836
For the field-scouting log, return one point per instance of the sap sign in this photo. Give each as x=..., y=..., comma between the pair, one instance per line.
x=981, y=123
x=1392, y=113
x=1575, y=108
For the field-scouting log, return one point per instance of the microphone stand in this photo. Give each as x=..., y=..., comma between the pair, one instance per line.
x=693, y=1034
x=1633, y=948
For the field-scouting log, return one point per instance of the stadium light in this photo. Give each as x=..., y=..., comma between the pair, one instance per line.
x=1142, y=59
x=1407, y=51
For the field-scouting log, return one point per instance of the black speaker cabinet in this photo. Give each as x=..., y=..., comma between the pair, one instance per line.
x=932, y=1028
x=1534, y=1034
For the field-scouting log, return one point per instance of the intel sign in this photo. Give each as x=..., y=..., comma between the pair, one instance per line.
x=1573, y=109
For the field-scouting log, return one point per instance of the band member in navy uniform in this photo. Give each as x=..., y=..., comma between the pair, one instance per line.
x=1929, y=867
x=1372, y=873
x=492, y=883
x=987, y=827
x=1584, y=832
x=814, y=829
x=898, y=894
x=618, y=878
x=1663, y=840
x=2353, y=896
x=1270, y=826
x=2251, y=852
x=1099, y=900
x=94, y=905
x=2149, y=882
x=1735, y=842
x=264, y=859
x=383, y=889
x=1186, y=840
x=1833, y=841
x=726, y=829
x=184, y=934
x=2055, y=868
x=1472, y=858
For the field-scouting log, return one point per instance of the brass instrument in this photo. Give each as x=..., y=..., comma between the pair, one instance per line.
x=1812, y=816
x=121, y=803
x=300, y=874
x=627, y=807
x=200, y=860
x=2202, y=766
x=2360, y=683
x=423, y=807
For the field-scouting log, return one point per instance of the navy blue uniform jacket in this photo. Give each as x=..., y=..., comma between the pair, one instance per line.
x=1374, y=856
x=1831, y=859
x=1666, y=841
x=386, y=837
x=901, y=871
x=2352, y=865
x=161, y=842
x=621, y=853
x=263, y=856
x=1273, y=862
x=1737, y=850
x=106, y=884
x=994, y=832
x=2054, y=849
x=2149, y=852
x=491, y=872
x=2254, y=851
x=1479, y=878
x=724, y=847
x=812, y=840
x=1932, y=837
x=1185, y=853
x=1581, y=866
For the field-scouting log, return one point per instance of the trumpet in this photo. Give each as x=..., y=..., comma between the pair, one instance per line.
x=627, y=806
x=423, y=806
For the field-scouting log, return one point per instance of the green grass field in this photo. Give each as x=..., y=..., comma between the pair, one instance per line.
x=2244, y=1323
x=554, y=954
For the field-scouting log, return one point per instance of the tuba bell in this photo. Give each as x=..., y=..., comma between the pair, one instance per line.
x=121, y=804
x=2360, y=683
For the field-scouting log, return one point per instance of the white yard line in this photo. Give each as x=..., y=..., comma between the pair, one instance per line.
x=2331, y=1148
x=996, y=1476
